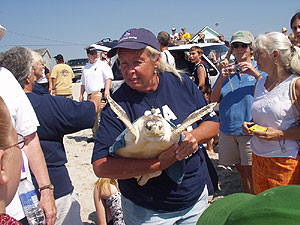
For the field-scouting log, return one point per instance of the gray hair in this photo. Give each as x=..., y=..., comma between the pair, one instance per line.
x=163, y=66
x=289, y=54
x=18, y=61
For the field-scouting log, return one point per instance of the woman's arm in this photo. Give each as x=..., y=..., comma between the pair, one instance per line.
x=38, y=167
x=203, y=133
x=124, y=168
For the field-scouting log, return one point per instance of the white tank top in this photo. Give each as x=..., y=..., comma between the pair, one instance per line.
x=273, y=109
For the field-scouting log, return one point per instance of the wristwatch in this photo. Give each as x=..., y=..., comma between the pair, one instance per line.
x=49, y=186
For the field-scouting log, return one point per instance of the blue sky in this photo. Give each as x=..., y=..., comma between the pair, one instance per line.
x=67, y=26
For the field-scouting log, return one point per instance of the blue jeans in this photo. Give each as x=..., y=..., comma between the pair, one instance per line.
x=137, y=215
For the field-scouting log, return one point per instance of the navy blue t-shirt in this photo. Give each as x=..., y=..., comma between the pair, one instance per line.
x=59, y=116
x=174, y=100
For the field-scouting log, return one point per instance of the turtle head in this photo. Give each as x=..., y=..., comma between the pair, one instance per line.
x=153, y=127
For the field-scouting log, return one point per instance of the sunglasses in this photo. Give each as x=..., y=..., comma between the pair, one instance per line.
x=236, y=45
x=20, y=143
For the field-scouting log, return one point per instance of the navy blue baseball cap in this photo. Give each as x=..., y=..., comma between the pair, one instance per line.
x=136, y=38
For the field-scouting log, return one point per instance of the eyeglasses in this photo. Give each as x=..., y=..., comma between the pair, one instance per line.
x=21, y=142
x=236, y=45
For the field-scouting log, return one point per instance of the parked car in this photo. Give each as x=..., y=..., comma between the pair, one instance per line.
x=77, y=67
x=183, y=63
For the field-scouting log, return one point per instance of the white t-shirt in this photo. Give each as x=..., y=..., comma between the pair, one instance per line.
x=273, y=109
x=94, y=76
x=167, y=56
x=43, y=79
x=24, y=121
x=174, y=36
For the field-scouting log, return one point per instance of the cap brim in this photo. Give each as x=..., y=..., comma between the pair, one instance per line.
x=241, y=41
x=128, y=45
x=219, y=211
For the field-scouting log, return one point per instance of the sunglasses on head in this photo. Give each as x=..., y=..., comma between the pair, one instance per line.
x=236, y=45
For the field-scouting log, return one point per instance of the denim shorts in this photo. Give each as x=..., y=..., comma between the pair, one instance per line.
x=137, y=215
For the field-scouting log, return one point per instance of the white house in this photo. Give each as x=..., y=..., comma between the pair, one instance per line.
x=210, y=35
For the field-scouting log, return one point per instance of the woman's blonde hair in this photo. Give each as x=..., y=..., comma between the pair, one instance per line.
x=36, y=59
x=163, y=66
x=104, y=183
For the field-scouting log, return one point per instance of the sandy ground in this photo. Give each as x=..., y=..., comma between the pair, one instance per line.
x=81, y=172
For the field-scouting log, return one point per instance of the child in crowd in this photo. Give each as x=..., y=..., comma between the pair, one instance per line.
x=206, y=90
x=10, y=163
x=107, y=199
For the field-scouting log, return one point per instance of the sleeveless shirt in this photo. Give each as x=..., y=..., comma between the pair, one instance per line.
x=273, y=109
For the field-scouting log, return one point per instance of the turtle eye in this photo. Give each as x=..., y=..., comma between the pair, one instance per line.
x=149, y=125
x=159, y=124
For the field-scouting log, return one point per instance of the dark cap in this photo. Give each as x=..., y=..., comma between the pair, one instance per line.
x=59, y=58
x=135, y=39
x=91, y=50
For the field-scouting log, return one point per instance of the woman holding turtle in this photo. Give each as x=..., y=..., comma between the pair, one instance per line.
x=153, y=87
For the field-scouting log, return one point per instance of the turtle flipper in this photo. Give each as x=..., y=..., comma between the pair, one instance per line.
x=195, y=116
x=121, y=114
x=143, y=179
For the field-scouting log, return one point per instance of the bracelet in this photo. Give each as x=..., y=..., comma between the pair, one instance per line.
x=258, y=76
x=49, y=186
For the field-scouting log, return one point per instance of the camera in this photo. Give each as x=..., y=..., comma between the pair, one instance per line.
x=236, y=68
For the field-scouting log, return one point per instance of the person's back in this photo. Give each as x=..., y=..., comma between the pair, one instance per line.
x=61, y=78
x=164, y=41
x=64, y=75
x=59, y=116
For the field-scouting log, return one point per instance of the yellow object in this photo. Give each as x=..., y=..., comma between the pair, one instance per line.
x=256, y=128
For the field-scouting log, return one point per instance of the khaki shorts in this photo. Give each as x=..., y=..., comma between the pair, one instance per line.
x=235, y=149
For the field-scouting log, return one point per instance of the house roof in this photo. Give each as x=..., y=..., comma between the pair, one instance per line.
x=206, y=30
x=42, y=51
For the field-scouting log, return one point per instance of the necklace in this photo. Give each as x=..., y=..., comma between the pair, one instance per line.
x=153, y=110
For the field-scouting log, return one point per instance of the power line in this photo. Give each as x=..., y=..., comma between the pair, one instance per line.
x=41, y=38
x=42, y=45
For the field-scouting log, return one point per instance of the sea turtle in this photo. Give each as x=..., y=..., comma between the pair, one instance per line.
x=148, y=136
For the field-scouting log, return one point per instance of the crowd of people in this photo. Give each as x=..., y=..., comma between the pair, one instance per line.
x=257, y=127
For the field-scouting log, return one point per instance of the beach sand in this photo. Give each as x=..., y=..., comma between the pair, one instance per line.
x=79, y=165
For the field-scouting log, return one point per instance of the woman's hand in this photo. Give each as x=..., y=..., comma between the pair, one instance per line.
x=271, y=134
x=245, y=128
x=249, y=69
x=188, y=146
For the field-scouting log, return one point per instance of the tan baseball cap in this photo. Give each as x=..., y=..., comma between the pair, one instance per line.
x=242, y=36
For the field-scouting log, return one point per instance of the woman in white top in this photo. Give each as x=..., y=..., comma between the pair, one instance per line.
x=275, y=159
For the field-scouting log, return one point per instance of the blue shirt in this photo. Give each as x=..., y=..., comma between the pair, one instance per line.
x=235, y=102
x=174, y=100
x=59, y=116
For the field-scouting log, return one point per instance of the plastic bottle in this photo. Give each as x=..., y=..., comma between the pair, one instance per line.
x=30, y=203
